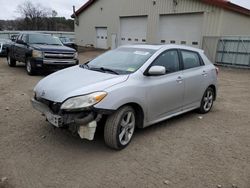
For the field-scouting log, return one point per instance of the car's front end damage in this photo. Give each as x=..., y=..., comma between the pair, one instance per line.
x=69, y=99
x=82, y=120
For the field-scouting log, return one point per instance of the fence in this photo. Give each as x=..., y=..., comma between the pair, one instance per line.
x=8, y=34
x=232, y=51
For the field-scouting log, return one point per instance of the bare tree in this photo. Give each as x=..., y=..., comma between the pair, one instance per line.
x=36, y=17
x=33, y=14
x=54, y=13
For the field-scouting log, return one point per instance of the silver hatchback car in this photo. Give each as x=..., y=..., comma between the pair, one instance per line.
x=132, y=86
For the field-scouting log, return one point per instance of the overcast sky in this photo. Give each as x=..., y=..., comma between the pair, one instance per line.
x=63, y=7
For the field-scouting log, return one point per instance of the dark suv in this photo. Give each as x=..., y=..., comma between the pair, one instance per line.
x=40, y=52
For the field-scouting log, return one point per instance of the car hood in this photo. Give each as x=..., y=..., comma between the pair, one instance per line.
x=75, y=81
x=52, y=48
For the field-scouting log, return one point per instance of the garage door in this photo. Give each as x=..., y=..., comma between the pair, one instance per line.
x=101, y=37
x=133, y=30
x=185, y=29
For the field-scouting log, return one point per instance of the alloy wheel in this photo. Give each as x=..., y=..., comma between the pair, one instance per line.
x=127, y=128
x=208, y=100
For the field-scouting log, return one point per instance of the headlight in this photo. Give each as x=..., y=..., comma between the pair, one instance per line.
x=76, y=55
x=84, y=101
x=36, y=53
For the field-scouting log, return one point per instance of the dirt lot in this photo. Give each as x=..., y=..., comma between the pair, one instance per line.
x=187, y=151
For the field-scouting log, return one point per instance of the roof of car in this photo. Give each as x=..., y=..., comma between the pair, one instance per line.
x=158, y=47
x=144, y=46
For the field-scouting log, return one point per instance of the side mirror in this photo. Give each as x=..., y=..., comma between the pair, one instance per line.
x=157, y=71
x=13, y=38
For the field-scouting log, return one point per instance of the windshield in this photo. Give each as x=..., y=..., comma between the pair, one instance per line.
x=44, y=39
x=122, y=60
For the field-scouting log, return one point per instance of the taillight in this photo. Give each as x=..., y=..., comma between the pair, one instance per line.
x=217, y=71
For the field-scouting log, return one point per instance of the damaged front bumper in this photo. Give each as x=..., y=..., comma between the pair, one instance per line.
x=84, y=123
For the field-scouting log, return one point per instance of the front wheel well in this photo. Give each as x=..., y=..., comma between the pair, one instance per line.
x=138, y=112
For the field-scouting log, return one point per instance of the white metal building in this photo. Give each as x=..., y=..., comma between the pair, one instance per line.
x=110, y=23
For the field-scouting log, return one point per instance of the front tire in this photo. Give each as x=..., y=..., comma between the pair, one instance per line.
x=207, y=101
x=119, y=128
x=11, y=62
x=29, y=67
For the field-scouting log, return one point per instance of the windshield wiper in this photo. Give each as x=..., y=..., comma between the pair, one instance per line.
x=108, y=70
x=103, y=69
x=85, y=66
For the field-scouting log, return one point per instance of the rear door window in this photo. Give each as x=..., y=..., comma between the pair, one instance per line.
x=190, y=59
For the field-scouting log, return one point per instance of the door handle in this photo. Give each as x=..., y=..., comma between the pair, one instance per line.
x=204, y=73
x=179, y=79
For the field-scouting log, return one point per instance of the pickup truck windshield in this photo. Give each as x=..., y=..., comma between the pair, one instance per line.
x=44, y=39
x=122, y=60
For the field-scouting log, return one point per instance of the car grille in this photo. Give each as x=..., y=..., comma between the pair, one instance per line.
x=55, y=55
x=54, y=107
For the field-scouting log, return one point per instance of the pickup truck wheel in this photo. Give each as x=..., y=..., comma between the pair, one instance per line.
x=11, y=61
x=119, y=128
x=29, y=68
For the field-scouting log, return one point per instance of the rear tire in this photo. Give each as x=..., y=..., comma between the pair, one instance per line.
x=207, y=101
x=29, y=67
x=119, y=128
x=11, y=62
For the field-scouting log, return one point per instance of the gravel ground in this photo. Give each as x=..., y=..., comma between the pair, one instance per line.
x=190, y=151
